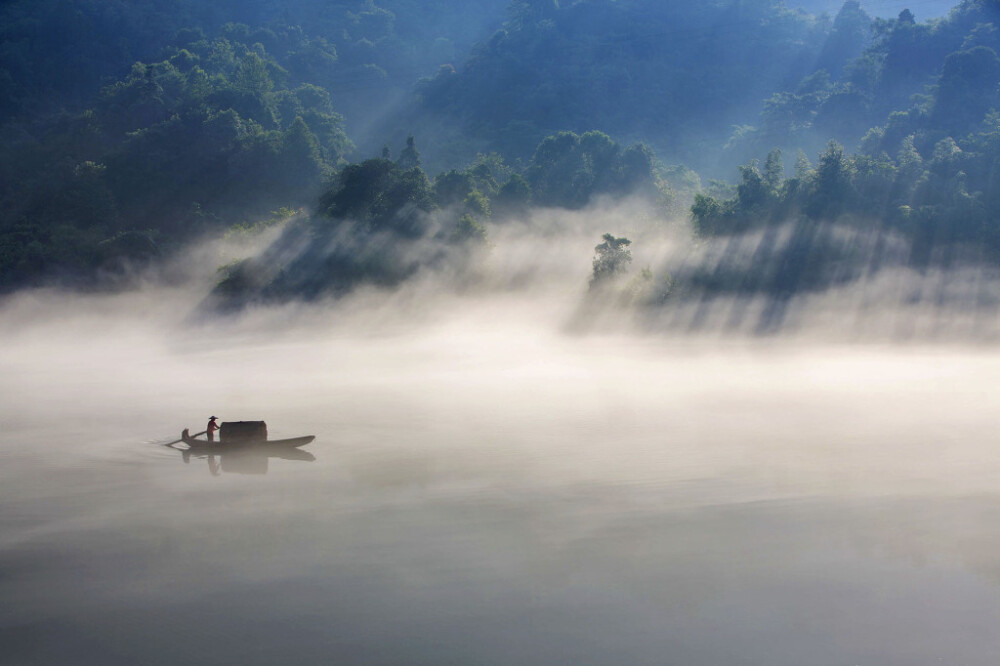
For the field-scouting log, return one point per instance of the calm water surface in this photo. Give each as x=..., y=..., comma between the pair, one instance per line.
x=487, y=490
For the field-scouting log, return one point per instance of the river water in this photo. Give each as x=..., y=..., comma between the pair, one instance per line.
x=489, y=489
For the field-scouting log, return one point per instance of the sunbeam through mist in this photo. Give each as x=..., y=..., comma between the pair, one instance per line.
x=502, y=332
x=484, y=460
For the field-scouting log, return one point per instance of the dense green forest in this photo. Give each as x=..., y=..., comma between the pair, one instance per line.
x=677, y=75
x=881, y=8
x=132, y=128
x=56, y=54
x=927, y=172
x=382, y=220
x=402, y=131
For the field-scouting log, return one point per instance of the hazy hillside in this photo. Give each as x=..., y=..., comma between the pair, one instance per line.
x=58, y=53
x=388, y=139
x=923, y=9
x=638, y=69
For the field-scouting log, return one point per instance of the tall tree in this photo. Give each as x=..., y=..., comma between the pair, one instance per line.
x=612, y=258
x=409, y=157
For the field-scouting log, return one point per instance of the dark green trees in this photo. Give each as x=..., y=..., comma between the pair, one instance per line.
x=967, y=89
x=852, y=32
x=832, y=188
x=642, y=68
x=409, y=158
x=381, y=196
x=943, y=195
x=514, y=197
x=568, y=170
x=612, y=259
x=213, y=127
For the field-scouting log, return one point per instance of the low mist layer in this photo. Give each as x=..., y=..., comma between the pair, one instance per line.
x=572, y=402
x=489, y=483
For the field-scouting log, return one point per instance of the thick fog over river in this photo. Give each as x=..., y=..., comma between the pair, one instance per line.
x=490, y=485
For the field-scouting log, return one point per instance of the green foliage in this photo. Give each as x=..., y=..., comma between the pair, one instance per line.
x=452, y=187
x=568, y=170
x=476, y=203
x=967, y=88
x=247, y=229
x=774, y=171
x=409, y=158
x=380, y=196
x=941, y=77
x=128, y=247
x=252, y=77
x=612, y=258
x=637, y=68
x=489, y=173
x=710, y=216
x=470, y=230
x=213, y=124
x=833, y=185
x=948, y=195
x=852, y=32
x=199, y=117
x=753, y=193
x=936, y=188
x=514, y=197
x=58, y=52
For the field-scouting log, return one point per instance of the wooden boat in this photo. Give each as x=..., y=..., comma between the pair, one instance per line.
x=252, y=443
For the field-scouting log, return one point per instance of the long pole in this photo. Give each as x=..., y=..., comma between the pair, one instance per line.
x=176, y=441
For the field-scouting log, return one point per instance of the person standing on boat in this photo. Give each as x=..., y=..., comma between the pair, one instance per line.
x=211, y=428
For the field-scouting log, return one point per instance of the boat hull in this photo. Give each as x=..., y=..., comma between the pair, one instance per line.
x=205, y=445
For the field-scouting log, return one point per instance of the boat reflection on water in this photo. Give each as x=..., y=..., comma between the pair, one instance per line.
x=243, y=459
x=243, y=448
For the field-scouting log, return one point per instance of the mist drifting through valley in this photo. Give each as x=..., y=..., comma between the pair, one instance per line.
x=505, y=472
x=605, y=331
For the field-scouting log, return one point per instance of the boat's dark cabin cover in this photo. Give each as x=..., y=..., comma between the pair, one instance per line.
x=242, y=431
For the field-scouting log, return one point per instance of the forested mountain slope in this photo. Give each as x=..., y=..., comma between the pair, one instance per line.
x=882, y=8
x=109, y=163
x=926, y=175
x=56, y=54
x=676, y=75
x=130, y=128
x=899, y=69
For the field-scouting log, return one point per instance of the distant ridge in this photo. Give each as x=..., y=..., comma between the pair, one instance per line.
x=922, y=9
